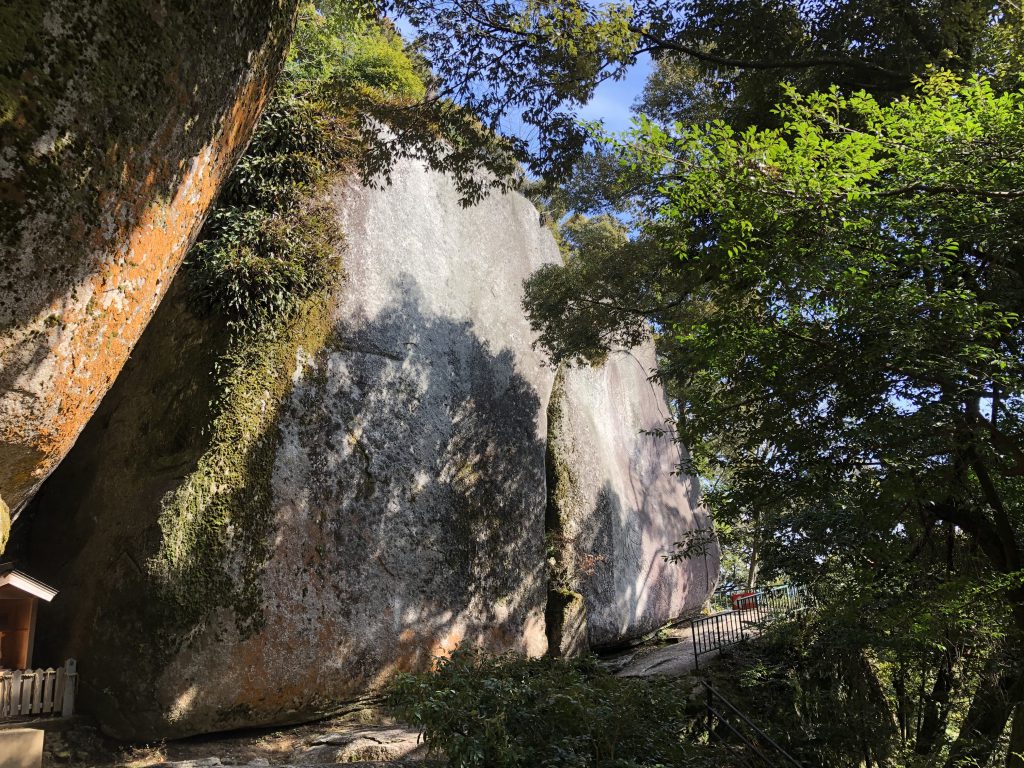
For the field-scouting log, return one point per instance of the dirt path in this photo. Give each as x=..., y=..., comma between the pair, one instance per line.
x=671, y=655
x=360, y=738
x=365, y=738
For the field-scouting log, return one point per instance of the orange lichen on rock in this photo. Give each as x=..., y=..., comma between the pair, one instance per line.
x=123, y=296
x=112, y=171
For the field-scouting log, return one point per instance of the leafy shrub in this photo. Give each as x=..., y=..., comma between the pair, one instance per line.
x=343, y=48
x=378, y=65
x=270, y=243
x=255, y=266
x=508, y=712
x=297, y=141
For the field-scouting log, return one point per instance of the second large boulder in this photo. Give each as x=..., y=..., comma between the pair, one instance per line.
x=617, y=503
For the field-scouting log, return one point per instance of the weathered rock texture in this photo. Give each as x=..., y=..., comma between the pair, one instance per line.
x=403, y=475
x=615, y=506
x=118, y=121
x=407, y=485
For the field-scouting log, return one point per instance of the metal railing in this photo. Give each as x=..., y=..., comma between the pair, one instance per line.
x=749, y=612
x=759, y=749
x=720, y=599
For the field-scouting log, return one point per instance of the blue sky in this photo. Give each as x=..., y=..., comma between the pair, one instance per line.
x=613, y=99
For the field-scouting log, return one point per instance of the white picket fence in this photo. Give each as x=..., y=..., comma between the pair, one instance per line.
x=38, y=691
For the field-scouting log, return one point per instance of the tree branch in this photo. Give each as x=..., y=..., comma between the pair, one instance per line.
x=975, y=525
x=661, y=44
x=947, y=189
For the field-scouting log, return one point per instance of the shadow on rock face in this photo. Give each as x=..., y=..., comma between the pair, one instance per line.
x=410, y=492
x=617, y=503
x=406, y=516
x=630, y=589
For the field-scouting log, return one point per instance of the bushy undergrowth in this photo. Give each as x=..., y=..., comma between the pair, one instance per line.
x=509, y=712
x=257, y=265
x=265, y=266
x=818, y=699
x=271, y=241
x=818, y=694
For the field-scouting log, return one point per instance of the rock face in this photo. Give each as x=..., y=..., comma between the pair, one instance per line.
x=431, y=404
x=114, y=144
x=404, y=488
x=406, y=483
x=615, y=504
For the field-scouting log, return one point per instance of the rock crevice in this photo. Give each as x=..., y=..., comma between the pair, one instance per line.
x=404, y=481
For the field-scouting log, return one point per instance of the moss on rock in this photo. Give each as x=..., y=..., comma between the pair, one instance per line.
x=559, y=474
x=118, y=122
x=215, y=526
x=566, y=614
x=566, y=620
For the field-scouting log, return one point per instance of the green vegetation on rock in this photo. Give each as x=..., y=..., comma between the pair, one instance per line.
x=266, y=265
x=565, y=622
x=564, y=606
x=216, y=523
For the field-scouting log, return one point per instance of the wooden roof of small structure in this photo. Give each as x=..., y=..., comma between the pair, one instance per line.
x=9, y=575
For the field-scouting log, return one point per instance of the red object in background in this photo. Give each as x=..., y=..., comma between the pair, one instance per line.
x=743, y=601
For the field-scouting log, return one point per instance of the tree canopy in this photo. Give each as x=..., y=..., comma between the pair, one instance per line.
x=838, y=304
x=533, y=63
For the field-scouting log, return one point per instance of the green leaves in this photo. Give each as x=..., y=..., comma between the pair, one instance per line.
x=272, y=241
x=510, y=712
x=343, y=46
x=837, y=305
x=270, y=244
x=256, y=266
x=532, y=64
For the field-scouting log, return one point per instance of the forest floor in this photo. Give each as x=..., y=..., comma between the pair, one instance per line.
x=363, y=737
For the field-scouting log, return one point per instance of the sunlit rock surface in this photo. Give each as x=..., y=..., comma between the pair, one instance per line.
x=408, y=492
x=618, y=506
x=118, y=122
x=406, y=501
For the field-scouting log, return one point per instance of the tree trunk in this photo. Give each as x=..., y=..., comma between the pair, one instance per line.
x=994, y=699
x=755, y=551
x=1015, y=753
x=902, y=703
x=878, y=727
x=754, y=566
x=936, y=706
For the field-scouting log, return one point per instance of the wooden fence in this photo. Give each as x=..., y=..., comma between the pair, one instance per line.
x=38, y=691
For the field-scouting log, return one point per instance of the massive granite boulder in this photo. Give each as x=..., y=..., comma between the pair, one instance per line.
x=369, y=492
x=118, y=121
x=616, y=506
x=404, y=504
